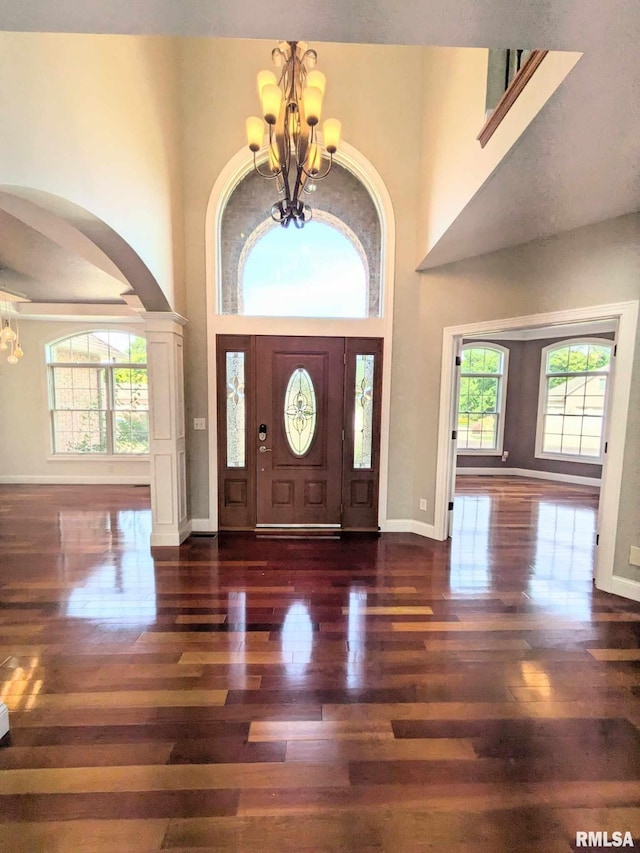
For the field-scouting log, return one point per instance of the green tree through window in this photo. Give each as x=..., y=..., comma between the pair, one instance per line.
x=99, y=395
x=480, y=400
x=573, y=401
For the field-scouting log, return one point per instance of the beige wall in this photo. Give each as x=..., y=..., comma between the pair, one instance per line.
x=95, y=119
x=214, y=131
x=453, y=165
x=25, y=445
x=595, y=265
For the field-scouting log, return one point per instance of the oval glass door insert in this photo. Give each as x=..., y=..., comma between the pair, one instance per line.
x=300, y=412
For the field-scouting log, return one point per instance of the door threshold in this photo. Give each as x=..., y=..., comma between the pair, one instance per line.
x=324, y=532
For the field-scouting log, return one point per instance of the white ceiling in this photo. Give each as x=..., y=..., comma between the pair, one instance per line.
x=576, y=164
x=33, y=265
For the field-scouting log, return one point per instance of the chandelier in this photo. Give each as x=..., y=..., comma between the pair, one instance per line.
x=292, y=108
x=9, y=330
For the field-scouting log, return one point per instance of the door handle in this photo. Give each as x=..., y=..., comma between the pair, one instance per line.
x=264, y=449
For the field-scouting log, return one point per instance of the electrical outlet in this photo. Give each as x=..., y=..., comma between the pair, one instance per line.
x=199, y=423
x=634, y=555
x=505, y=455
x=423, y=504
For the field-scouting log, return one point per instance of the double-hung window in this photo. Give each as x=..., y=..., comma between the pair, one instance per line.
x=98, y=394
x=574, y=386
x=481, y=402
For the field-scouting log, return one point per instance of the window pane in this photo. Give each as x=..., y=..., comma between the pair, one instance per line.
x=300, y=410
x=558, y=360
x=598, y=357
x=131, y=432
x=481, y=360
x=363, y=423
x=130, y=388
x=479, y=394
x=80, y=432
x=570, y=442
x=579, y=358
x=80, y=388
x=106, y=346
x=479, y=432
x=575, y=405
x=311, y=272
x=236, y=413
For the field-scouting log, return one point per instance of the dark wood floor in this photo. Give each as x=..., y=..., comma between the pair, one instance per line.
x=387, y=693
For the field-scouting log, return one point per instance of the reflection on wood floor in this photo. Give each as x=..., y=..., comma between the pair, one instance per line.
x=388, y=693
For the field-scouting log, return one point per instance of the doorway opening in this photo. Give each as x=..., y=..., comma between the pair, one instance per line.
x=574, y=439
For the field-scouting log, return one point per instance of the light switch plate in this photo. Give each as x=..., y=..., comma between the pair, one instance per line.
x=634, y=555
x=199, y=423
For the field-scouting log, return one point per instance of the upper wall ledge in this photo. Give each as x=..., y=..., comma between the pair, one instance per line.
x=511, y=95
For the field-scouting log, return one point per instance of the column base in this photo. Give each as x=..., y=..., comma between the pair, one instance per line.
x=170, y=538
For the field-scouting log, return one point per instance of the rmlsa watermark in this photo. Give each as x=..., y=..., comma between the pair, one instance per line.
x=602, y=840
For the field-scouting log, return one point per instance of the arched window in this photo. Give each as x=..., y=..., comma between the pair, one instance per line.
x=329, y=268
x=313, y=272
x=98, y=393
x=482, y=399
x=572, y=406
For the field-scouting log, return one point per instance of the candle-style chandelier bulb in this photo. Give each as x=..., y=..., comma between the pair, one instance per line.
x=292, y=109
x=7, y=335
x=9, y=330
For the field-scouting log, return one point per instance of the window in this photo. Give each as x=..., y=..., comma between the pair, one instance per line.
x=330, y=268
x=98, y=393
x=573, y=400
x=316, y=271
x=482, y=399
x=503, y=65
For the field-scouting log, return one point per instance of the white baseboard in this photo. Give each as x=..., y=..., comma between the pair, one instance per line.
x=203, y=525
x=409, y=525
x=75, y=479
x=4, y=720
x=526, y=472
x=624, y=587
x=170, y=538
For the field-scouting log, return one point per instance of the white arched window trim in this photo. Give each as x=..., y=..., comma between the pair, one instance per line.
x=501, y=399
x=382, y=327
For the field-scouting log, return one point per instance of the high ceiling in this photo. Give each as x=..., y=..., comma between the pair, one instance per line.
x=34, y=265
x=577, y=163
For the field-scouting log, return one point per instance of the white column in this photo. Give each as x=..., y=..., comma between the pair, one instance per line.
x=170, y=525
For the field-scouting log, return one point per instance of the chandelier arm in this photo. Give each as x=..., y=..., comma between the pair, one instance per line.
x=319, y=177
x=267, y=175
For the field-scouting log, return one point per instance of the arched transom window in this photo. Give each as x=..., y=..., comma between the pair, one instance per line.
x=98, y=393
x=316, y=271
x=329, y=268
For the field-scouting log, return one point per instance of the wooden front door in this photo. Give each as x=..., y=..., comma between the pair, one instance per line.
x=299, y=400
x=298, y=432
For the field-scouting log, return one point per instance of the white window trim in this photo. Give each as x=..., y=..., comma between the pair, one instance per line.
x=502, y=399
x=542, y=393
x=106, y=457
x=97, y=457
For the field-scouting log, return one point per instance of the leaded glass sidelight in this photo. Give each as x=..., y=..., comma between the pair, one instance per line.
x=363, y=418
x=236, y=410
x=300, y=411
